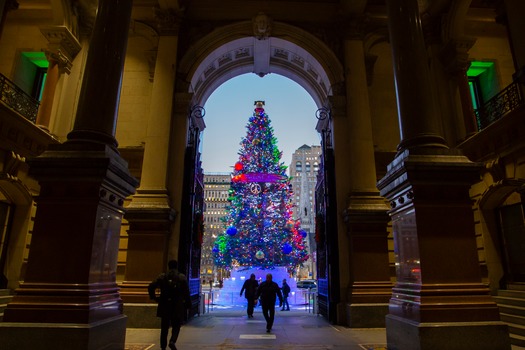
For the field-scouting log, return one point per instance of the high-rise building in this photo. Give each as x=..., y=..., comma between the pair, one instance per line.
x=303, y=171
x=216, y=186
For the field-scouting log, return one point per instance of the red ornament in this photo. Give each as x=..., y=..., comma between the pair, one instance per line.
x=238, y=166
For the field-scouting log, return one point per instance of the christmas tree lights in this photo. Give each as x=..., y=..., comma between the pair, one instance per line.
x=259, y=230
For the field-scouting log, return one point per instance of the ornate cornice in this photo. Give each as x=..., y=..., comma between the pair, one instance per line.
x=168, y=21
x=63, y=46
x=454, y=55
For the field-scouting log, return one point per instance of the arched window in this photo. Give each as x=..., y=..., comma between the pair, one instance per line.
x=307, y=167
x=316, y=167
x=298, y=166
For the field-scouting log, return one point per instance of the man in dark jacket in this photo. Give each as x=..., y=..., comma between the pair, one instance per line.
x=174, y=301
x=286, y=291
x=268, y=292
x=250, y=288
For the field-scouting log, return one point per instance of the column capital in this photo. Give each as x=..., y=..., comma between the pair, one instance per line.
x=454, y=54
x=355, y=27
x=62, y=46
x=168, y=20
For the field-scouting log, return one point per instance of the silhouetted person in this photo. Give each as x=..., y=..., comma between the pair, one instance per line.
x=174, y=302
x=286, y=291
x=268, y=292
x=250, y=288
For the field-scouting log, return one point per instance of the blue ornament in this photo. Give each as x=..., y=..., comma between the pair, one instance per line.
x=286, y=248
x=303, y=233
x=267, y=223
x=215, y=250
x=231, y=231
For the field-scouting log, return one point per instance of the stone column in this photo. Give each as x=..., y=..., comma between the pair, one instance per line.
x=150, y=214
x=62, y=49
x=178, y=146
x=455, y=58
x=366, y=212
x=516, y=27
x=438, y=301
x=338, y=244
x=46, y=103
x=5, y=6
x=70, y=298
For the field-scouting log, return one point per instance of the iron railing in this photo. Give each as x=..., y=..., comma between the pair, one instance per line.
x=504, y=102
x=17, y=99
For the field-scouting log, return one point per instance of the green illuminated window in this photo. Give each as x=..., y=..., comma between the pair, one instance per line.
x=483, y=82
x=31, y=72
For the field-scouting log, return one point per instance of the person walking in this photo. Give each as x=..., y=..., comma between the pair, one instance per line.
x=173, y=303
x=268, y=292
x=250, y=288
x=286, y=291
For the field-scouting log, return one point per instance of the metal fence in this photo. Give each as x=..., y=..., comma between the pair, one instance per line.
x=216, y=300
x=17, y=99
x=504, y=102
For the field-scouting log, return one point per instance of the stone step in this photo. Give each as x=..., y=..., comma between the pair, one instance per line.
x=517, y=340
x=515, y=301
x=511, y=293
x=511, y=309
x=517, y=329
x=515, y=319
x=5, y=298
x=516, y=286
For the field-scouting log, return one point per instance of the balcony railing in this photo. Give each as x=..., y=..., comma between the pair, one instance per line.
x=506, y=101
x=17, y=99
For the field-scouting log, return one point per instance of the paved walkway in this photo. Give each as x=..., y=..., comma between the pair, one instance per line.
x=292, y=330
x=228, y=328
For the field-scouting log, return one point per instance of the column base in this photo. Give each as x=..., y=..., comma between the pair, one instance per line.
x=134, y=292
x=109, y=334
x=403, y=334
x=366, y=315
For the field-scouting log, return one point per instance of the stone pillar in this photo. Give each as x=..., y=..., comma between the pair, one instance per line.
x=5, y=6
x=438, y=301
x=46, y=103
x=69, y=298
x=455, y=58
x=341, y=193
x=178, y=146
x=516, y=27
x=366, y=212
x=150, y=214
x=62, y=50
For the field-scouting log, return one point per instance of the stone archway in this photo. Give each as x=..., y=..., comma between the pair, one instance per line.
x=234, y=50
x=238, y=49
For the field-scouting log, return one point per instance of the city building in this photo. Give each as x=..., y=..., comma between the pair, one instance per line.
x=216, y=186
x=421, y=116
x=304, y=170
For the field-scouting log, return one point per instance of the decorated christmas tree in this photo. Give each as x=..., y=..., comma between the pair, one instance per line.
x=259, y=231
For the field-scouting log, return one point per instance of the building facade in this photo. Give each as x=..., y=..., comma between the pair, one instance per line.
x=304, y=169
x=216, y=193
x=421, y=119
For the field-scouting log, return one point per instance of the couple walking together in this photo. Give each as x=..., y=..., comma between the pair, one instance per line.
x=267, y=293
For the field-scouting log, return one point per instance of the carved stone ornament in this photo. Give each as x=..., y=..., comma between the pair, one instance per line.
x=262, y=26
x=64, y=64
x=168, y=21
x=63, y=44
